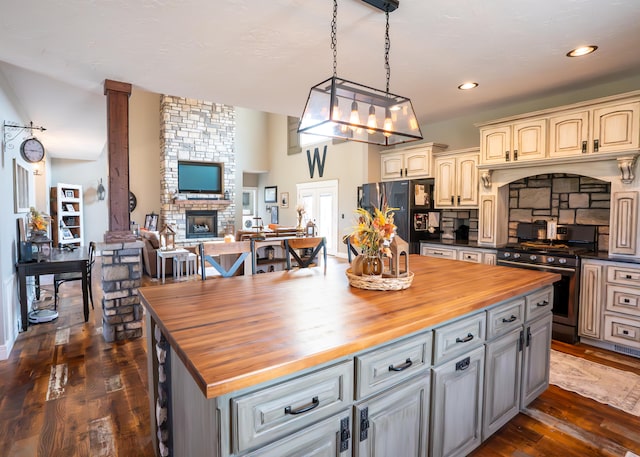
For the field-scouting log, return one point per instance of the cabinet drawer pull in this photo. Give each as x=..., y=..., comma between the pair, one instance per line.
x=452, y=199
x=466, y=339
x=463, y=364
x=402, y=367
x=515, y=155
x=625, y=332
x=626, y=300
x=584, y=147
x=596, y=145
x=506, y=156
x=458, y=199
x=303, y=409
x=511, y=319
x=628, y=277
x=544, y=303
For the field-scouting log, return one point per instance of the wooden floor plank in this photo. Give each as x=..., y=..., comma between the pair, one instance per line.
x=104, y=407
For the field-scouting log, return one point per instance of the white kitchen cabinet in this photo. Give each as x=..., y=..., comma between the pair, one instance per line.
x=513, y=142
x=438, y=251
x=623, y=237
x=395, y=422
x=456, y=179
x=464, y=253
x=536, y=353
x=456, y=410
x=591, y=287
x=409, y=163
x=611, y=127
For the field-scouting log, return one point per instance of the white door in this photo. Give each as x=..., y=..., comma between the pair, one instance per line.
x=320, y=200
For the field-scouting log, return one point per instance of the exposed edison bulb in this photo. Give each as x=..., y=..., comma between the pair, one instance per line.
x=354, y=118
x=335, y=112
x=413, y=123
x=371, y=120
x=388, y=124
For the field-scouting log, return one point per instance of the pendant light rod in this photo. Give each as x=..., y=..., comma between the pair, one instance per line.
x=387, y=6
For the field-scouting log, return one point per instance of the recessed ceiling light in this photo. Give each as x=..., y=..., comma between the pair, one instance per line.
x=582, y=51
x=468, y=86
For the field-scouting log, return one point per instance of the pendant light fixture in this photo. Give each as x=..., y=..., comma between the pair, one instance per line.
x=375, y=116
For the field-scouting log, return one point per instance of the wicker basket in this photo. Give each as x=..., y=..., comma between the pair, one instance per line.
x=379, y=282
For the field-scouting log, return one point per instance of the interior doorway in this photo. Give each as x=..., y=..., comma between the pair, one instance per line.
x=320, y=200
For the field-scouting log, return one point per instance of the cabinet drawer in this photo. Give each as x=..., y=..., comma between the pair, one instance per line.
x=470, y=256
x=391, y=364
x=275, y=411
x=622, y=330
x=623, y=300
x=627, y=276
x=458, y=337
x=439, y=252
x=502, y=319
x=538, y=303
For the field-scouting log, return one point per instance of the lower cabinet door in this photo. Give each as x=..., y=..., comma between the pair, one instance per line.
x=536, y=353
x=456, y=409
x=329, y=438
x=395, y=422
x=503, y=372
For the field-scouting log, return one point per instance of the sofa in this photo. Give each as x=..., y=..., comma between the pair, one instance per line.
x=149, y=256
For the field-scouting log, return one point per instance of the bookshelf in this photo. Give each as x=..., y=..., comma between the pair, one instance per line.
x=67, y=214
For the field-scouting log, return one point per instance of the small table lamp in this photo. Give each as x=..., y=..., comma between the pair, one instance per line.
x=399, y=248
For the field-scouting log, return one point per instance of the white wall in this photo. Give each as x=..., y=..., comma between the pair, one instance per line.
x=10, y=112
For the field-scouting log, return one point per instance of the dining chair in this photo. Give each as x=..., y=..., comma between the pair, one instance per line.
x=61, y=278
x=210, y=250
x=314, y=244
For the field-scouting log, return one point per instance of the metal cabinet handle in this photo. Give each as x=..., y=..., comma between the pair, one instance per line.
x=452, y=199
x=584, y=147
x=303, y=409
x=596, y=145
x=466, y=339
x=515, y=155
x=511, y=319
x=506, y=156
x=629, y=277
x=463, y=364
x=544, y=303
x=402, y=367
x=458, y=199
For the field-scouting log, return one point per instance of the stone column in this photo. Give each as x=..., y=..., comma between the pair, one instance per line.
x=121, y=278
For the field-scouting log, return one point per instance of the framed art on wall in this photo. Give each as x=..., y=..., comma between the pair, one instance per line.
x=20, y=188
x=271, y=194
x=284, y=199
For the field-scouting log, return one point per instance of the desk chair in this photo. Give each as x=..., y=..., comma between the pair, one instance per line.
x=61, y=278
x=211, y=249
x=315, y=243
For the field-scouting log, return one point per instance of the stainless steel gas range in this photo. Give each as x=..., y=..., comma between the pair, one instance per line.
x=559, y=255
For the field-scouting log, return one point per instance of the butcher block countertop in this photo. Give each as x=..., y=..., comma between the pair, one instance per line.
x=237, y=332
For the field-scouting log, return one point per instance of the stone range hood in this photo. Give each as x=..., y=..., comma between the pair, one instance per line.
x=497, y=220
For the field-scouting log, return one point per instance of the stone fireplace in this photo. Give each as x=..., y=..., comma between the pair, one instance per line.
x=201, y=224
x=196, y=130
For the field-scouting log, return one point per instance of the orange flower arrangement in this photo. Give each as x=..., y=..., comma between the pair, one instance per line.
x=38, y=221
x=374, y=231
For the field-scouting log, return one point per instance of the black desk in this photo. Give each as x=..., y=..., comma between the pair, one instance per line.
x=62, y=261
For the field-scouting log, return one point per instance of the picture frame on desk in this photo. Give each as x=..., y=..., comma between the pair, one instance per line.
x=151, y=222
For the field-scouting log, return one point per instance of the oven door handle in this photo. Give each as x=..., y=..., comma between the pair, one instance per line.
x=535, y=266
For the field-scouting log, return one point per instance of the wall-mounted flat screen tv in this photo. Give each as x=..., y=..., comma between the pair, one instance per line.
x=200, y=177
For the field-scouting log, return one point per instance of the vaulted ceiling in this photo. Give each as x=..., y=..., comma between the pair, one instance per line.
x=265, y=55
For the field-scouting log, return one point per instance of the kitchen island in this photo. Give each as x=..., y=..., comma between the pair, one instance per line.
x=281, y=363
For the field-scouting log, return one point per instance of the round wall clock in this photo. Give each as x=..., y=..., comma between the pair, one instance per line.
x=32, y=150
x=133, y=201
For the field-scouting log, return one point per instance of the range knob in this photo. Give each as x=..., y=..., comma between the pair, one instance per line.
x=516, y=255
x=533, y=257
x=562, y=261
x=550, y=259
x=507, y=254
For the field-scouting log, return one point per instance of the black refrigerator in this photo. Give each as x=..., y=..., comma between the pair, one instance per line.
x=414, y=214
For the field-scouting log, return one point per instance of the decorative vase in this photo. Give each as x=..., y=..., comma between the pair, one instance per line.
x=372, y=265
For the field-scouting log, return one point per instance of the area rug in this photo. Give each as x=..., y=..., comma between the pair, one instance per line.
x=617, y=388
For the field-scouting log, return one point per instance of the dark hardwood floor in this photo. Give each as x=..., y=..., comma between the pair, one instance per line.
x=66, y=392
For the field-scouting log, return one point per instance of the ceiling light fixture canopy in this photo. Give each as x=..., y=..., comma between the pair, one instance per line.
x=339, y=108
x=582, y=51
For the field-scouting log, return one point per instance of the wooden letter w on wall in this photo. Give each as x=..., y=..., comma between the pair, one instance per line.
x=316, y=159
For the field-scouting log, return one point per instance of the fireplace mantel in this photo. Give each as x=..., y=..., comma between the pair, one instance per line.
x=210, y=202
